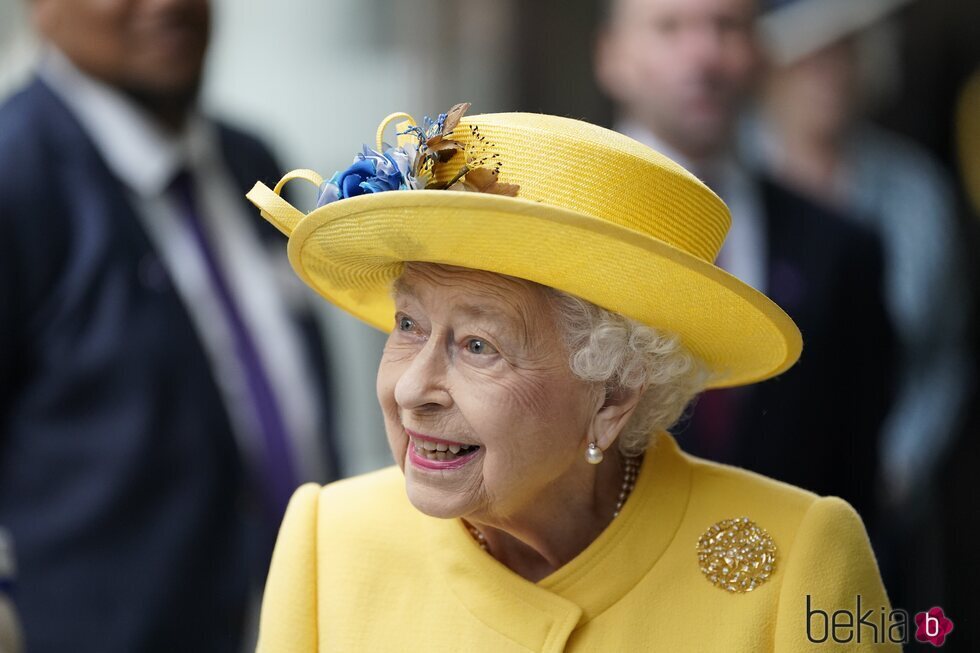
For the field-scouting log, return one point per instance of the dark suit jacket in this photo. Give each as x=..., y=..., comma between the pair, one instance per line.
x=817, y=425
x=120, y=479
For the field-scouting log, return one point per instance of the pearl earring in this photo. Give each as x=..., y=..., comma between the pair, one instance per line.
x=593, y=454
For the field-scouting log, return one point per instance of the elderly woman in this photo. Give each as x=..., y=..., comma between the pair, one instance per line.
x=552, y=307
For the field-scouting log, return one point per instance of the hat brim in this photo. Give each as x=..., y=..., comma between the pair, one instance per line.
x=350, y=251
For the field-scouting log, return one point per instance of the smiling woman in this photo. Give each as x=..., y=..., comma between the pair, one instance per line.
x=474, y=362
x=549, y=318
x=487, y=411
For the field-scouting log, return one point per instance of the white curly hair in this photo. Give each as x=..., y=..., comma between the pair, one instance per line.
x=619, y=353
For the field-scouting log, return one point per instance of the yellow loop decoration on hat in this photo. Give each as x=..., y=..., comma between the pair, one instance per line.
x=402, y=126
x=305, y=174
x=283, y=215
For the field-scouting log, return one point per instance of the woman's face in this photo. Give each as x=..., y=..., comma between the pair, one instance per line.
x=475, y=363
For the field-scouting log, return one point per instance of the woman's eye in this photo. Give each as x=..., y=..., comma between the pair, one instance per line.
x=479, y=346
x=405, y=323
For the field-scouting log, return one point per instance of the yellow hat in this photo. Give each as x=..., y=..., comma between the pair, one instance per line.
x=597, y=215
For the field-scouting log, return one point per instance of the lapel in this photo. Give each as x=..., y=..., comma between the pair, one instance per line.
x=103, y=229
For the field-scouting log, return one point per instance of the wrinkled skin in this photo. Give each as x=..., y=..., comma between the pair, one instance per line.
x=476, y=358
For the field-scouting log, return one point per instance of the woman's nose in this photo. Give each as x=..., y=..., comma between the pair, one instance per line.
x=422, y=384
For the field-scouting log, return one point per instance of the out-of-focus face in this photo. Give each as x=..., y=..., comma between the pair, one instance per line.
x=818, y=94
x=475, y=365
x=151, y=49
x=682, y=67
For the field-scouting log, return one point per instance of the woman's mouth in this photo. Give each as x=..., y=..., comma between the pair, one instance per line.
x=432, y=451
x=436, y=453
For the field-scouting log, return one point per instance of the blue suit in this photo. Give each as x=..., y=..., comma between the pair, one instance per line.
x=120, y=479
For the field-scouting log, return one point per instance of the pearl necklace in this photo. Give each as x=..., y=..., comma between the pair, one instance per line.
x=631, y=468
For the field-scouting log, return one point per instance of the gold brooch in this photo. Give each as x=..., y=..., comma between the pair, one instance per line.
x=736, y=555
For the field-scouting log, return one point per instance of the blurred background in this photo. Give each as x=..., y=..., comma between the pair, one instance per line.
x=899, y=85
x=302, y=76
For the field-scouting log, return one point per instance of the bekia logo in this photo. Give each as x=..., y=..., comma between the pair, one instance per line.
x=845, y=626
x=874, y=624
x=932, y=626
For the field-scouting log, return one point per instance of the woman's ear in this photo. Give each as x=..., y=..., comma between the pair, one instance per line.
x=616, y=408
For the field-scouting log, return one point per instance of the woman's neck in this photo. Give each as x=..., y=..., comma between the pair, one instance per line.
x=536, y=542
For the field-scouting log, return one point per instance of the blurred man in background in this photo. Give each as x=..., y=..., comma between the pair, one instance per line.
x=161, y=394
x=679, y=72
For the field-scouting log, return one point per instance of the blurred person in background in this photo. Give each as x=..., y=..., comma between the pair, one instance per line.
x=679, y=72
x=957, y=487
x=826, y=58
x=810, y=133
x=161, y=393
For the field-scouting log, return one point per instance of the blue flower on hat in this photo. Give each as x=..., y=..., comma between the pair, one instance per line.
x=371, y=172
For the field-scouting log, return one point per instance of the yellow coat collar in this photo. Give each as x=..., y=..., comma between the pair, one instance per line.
x=547, y=611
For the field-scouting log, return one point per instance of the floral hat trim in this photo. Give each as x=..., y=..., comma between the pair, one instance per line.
x=412, y=164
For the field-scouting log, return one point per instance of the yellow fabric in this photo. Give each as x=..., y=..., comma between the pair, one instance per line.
x=357, y=568
x=597, y=215
x=283, y=215
x=402, y=137
x=968, y=138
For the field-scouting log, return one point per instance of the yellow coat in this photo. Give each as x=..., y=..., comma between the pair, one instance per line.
x=357, y=568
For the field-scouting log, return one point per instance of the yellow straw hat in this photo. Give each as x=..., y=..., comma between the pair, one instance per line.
x=596, y=214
